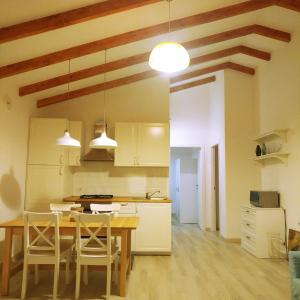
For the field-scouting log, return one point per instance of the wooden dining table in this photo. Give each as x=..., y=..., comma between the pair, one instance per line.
x=120, y=226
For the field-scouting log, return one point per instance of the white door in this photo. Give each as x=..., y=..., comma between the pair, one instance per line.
x=188, y=190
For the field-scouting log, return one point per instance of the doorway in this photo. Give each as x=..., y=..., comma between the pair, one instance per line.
x=215, y=185
x=185, y=184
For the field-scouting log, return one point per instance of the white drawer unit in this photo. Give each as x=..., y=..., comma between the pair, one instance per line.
x=259, y=228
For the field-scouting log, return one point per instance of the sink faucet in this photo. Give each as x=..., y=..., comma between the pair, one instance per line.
x=149, y=195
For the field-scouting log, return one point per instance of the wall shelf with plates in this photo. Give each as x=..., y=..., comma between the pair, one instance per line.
x=272, y=143
x=281, y=156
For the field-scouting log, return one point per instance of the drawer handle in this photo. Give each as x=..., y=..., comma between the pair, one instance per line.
x=124, y=204
x=248, y=224
x=248, y=237
x=247, y=211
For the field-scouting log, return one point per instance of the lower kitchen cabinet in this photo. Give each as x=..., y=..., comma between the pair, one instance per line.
x=153, y=233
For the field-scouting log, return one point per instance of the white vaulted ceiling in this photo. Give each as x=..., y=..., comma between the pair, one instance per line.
x=16, y=11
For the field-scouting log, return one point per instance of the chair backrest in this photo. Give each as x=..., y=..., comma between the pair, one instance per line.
x=90, y=226
x=41, y=233
x=96, y=208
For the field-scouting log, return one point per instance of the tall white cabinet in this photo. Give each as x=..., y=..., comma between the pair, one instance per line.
x=48, y=176
x=142, y=145
x=262, y=229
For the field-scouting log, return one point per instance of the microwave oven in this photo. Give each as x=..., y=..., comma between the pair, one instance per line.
x=265, y=199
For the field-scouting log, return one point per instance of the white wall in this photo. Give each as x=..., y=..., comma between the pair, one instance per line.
x=278, y=93
x=242, y=174
x=216, y=137
x=14, y=122
x=189, y=116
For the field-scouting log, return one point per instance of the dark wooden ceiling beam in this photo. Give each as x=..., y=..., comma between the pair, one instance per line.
x=68, y=18
x=192, y=84
x=132, y=36
x=211, y=69
x=96, y=88
x=132, y=60
x=289, y=4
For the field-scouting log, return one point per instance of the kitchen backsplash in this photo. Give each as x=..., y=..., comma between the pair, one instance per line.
x=104, y=178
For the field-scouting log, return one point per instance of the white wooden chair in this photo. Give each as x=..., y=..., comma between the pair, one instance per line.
x=42, y=246
x=94, y=250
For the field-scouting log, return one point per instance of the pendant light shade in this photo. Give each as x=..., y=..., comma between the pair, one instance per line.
x=103, y=142
x=169, y=57
x=67, y=141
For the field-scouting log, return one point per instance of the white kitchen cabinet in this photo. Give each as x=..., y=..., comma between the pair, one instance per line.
x=126, y=136
x=44, y=184
x=153, y=233
x=262, y=231
x=153, y=145
x=142, y=144
x=42, y=149
x=74, y=153
x=128, y=210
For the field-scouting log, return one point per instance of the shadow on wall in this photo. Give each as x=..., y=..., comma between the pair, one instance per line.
x=10, y=191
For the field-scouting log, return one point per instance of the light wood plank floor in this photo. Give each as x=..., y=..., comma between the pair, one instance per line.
x=202, y=267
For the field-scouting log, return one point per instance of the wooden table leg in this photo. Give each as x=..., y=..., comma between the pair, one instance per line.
x=6, y=261
x=129, y=251
x=124, y=262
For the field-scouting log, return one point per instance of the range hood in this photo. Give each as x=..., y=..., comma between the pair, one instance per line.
x=99, y=154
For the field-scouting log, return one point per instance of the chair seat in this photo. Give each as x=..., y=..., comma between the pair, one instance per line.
x=65, y=247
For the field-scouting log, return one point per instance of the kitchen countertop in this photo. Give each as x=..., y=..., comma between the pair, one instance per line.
x=115, y=199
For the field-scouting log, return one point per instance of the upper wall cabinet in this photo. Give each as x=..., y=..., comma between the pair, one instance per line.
x=42, y=149
x=142, y=144
x=75, y=129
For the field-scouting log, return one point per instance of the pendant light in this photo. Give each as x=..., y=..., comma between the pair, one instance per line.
x=169, y=57
x=66, y=140
x=103, y=142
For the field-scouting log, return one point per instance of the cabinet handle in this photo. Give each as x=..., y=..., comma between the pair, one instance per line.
x=78, y=160
x=124, y=204
x=61, y=159
x=60, y=171
x=247, y=211
x=248, y=224
x=248, y=237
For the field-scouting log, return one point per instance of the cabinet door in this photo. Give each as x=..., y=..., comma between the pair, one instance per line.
x=44, y=184
x=42, y=148
x=153, y=233
x=75, y=129
x=126, y=135
x=153, y=145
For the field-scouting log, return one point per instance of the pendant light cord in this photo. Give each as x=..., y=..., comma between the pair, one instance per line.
x=104, y=92
x=169, y=33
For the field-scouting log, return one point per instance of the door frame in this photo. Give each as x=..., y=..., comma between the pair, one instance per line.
x=212, y=187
